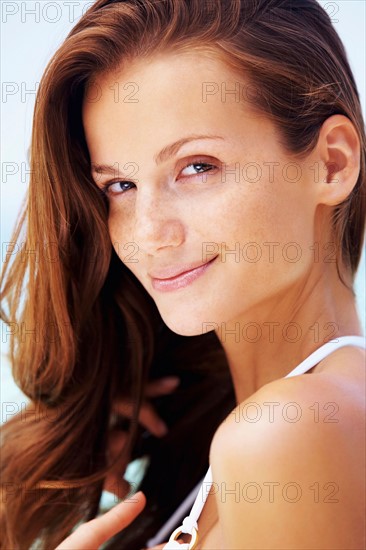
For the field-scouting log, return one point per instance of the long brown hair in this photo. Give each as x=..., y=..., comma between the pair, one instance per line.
x=97, y=333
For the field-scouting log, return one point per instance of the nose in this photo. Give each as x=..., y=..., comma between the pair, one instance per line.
x=156, y=222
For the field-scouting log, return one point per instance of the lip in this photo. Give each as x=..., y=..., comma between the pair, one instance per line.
x=182, y=276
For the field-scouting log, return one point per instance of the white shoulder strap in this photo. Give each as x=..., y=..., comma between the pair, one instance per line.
x=326, y=349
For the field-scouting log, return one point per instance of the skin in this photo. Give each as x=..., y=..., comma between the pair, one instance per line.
x=169, y=213
x=97, y=531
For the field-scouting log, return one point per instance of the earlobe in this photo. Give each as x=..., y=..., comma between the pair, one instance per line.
x=339, y=149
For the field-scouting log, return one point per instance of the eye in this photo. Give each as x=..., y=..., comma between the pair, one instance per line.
x=196, y=168
x=116, y=187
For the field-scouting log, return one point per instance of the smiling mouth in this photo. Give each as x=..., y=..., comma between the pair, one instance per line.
x=181, y=280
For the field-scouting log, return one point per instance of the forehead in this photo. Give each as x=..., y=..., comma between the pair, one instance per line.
x=166, y=96
x=192, y=69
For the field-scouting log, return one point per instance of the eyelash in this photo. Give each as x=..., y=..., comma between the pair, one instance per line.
x=105, y=187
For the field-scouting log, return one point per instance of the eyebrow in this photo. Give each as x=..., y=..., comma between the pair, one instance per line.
x=167, y=152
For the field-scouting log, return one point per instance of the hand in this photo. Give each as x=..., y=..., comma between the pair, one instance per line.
x=114, y=482
x=94, y=533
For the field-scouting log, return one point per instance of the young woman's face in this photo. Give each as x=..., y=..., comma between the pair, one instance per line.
x=225, y=191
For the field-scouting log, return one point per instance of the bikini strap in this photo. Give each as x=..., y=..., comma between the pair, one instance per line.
x=325, y=350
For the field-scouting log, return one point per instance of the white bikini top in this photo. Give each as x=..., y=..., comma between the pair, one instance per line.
x=200, y=492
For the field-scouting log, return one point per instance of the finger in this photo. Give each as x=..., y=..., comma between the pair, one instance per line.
x=147, y=417
x=94, y=533
x=117, y=485
x=114, y=481
x=162, y=386
x=116, y=441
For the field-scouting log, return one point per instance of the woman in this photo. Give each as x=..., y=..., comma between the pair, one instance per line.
x=223, y=140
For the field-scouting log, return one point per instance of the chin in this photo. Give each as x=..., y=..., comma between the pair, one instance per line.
x=184, y=326
x=184, y=329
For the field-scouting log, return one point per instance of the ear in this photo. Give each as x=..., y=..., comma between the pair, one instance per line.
x=340, y=151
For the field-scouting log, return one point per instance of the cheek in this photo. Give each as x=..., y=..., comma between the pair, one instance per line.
x=244, y=216
x=120, y=218
x=268, y=212
x=114, y=228
x=261, y=241
x=114, y=234
x=120, y=235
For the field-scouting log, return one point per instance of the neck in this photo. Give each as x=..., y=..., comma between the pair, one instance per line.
x=268, y=341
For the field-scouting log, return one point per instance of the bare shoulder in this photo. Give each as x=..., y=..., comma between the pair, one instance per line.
x=296, y=448
x=333, y=394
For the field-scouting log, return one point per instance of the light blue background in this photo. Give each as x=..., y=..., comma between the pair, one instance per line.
x=31, y=32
